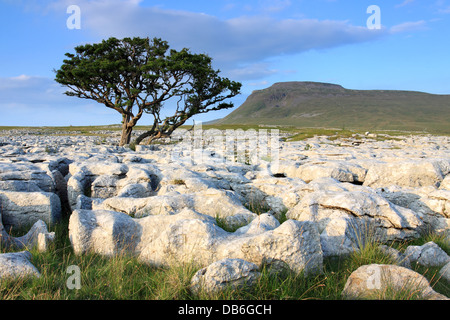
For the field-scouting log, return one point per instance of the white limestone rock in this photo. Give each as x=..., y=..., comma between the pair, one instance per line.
x=226, y=274
x=262, y=223
x=377, y=281
x=445, y=184
x=407, y=173
x=17, y=265
x=428, y=255
x=190, y=236
x=444, y=273
x=345, y=218
x=26, y=208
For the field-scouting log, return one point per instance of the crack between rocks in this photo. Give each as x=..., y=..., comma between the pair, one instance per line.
x=340, y=208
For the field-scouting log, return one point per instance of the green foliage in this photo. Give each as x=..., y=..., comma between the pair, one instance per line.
x=137, y=75
x=222, y=223
x=178, y=182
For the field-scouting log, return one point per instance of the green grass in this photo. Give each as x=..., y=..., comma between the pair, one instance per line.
x=307, y=133
x=294, y=133
x=125, y=278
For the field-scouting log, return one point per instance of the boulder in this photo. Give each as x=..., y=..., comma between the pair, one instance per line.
x=77, y=184
x=192, y=237
x=26, y=208
x=439, y=202
x=141, y=207
x=428, y=255
x=278, y=194
x=226, y=274
x=444, y=273
x=430, y=203
x=132, y=180
x=17, y=265
x=293, y=244
x=104, y=186
x=380, y=281
x=19, y=185
x=221, y=203
x=260, y=224
x=346, y=219
x=98, y=168
x=136, y=190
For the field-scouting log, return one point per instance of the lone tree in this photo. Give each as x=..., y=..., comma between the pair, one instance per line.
x=137, y=75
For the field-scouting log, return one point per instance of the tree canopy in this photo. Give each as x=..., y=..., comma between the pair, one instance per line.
x=137, y=75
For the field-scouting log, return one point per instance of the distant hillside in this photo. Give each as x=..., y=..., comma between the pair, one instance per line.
x=313, y=104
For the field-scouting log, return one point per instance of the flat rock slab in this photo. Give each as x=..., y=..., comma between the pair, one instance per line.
x=414, y=173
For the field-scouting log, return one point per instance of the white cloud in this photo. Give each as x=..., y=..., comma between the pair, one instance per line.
x=444, y=10
x=263, y=83
x=242, y=41
x=252, y=71
x=404, y=3
x=409, y=26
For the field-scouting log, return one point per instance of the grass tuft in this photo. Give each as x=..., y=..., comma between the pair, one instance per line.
x=126, y=278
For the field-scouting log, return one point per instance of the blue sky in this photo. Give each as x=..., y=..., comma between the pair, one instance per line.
x=257, y=42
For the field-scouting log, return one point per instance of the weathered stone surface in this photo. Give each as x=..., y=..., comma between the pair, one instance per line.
x=377, y=281
x=345, y=218
x=38, y=236
x=260, y=224
x=226, y=274
x=94, y=180
x=17, y=265
x=429, y=255
x=445, y=272
x=77, y=184
x=445, y=184
x=26, y=208
x=104, y=186
x=184, y=237
x=294, y=244
x=25, y=177
x=413, y=173
x=341, y=171
x=213, y=202
x=345, y=189
x=432, y=204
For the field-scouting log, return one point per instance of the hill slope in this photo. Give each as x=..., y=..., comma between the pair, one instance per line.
x=313, y=104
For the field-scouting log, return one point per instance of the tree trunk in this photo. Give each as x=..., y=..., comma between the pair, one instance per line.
x=143, y=136
x=126, y=134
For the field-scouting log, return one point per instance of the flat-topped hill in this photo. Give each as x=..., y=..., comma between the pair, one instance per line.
x=314, y=104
